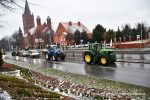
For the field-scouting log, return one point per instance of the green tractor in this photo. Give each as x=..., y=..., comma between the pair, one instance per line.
x=97, y=54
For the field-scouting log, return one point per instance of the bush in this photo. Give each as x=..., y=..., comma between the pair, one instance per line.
x=13, y=53
x=1, y=54
x=1, y=60
x=23, y=92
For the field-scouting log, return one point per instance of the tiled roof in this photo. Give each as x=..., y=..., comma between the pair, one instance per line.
x=25, y=35
x=39, y=40
x=72, y=28
x=32, y=30
x=45, y=30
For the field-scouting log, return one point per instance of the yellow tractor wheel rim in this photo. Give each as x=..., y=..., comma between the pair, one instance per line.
x=87, y=58
x=103, y=60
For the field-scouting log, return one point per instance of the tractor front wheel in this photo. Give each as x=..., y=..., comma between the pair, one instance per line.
x=103, y=60
x=88, y=58
x=47, y=56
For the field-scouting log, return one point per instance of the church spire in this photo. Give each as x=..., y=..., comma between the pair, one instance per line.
x=28, y=19
x=27, y=9
x=20, y=31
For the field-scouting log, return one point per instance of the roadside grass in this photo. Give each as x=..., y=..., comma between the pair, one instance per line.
x=20, y=89
x=94, y=82
x=104, y=84
x=24, y=88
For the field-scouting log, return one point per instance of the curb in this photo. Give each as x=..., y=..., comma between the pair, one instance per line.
x=134, y=61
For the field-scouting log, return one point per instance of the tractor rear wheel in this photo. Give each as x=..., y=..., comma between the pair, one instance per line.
x=62, y=56
x=103, y=60
x=88, y=58
x=56, y=58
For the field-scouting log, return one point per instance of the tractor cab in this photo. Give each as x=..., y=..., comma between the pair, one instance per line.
x=95, y=47
x=95, y=53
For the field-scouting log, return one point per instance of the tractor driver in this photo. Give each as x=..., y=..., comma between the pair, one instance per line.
x=95, y=49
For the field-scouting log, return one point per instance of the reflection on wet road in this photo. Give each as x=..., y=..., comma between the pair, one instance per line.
x=134, y=73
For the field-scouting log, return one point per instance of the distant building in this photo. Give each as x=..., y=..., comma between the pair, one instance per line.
x=39, y=35
x=28, y=19
x=68, y=27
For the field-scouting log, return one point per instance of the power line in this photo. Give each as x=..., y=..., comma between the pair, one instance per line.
x=33, y=3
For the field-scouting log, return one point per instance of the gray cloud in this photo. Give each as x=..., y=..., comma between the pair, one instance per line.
x=109, y=13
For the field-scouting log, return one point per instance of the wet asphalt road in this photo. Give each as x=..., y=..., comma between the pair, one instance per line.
x=134, y=73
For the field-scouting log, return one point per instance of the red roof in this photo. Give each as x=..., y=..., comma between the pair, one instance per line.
x=74, y=26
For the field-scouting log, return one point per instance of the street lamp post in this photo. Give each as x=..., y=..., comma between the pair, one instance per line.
x=105, y=44
x=81, y=42
x=141, y=38
x=138, y=38
x=64, y=43
x=50, y=38
x=149, y=35
x=141, y=34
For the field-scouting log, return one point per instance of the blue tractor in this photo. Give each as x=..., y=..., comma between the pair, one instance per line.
x=53, y=53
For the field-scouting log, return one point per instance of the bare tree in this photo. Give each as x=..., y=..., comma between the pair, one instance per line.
x=7, y=4
x=69, y=38
x=1, y=60
x=5, y=43
x=17, y=37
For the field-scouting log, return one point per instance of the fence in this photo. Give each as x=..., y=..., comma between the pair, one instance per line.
x=139, y=55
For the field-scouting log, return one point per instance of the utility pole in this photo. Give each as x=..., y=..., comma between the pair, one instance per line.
x=141, y=34
x=141, y=38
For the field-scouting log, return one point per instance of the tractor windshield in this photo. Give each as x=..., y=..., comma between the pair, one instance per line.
x=95, y=46
x=110, y=52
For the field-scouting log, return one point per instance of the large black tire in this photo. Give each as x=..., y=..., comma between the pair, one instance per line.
x=103, y=60
x=62, y=56
x=88, y=58
x=56, y=57
x=47, y=56
x=38, y=56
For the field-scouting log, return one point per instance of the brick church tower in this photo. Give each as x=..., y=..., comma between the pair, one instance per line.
x=28, y=19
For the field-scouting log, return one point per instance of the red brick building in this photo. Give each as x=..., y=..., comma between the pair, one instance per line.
x=39, y=35
x=69, y=27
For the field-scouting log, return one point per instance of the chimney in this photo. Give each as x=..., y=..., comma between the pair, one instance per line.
x=38, y=20
x=79, y=24
x=49, y=21
x=70, y=23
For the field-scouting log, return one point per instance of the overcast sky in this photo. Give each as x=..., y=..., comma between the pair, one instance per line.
x=109, y=13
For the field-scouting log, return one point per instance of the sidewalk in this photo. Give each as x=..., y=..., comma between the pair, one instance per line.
x=134, y=61
x=133, y=49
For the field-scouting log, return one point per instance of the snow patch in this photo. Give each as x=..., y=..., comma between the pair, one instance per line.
x=15, y=73
x=4, y=95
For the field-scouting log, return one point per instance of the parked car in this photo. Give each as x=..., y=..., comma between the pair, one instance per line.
x=33, y=53
x=15, y=52
x=23, y=53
